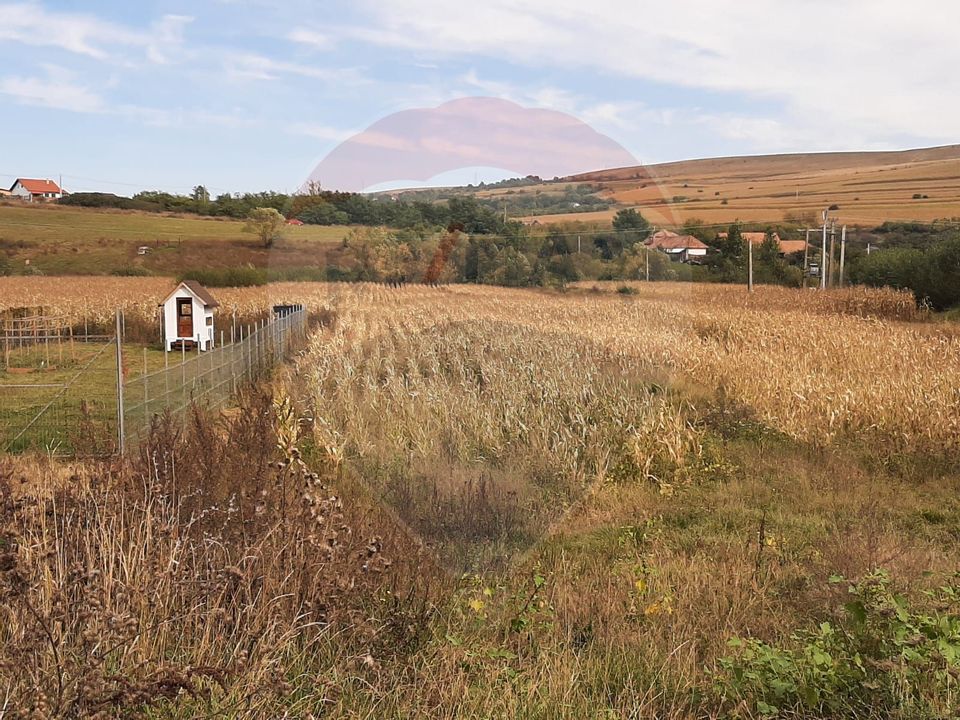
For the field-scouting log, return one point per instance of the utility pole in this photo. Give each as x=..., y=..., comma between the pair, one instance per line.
x=750, y=267
x=833, y=254
x=646, y=255
x=579, y=251
x=806, y=264
x=843, y=250
x=823, y=254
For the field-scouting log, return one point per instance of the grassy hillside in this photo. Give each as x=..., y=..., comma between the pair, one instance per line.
x=60, y=240
x=869, y=188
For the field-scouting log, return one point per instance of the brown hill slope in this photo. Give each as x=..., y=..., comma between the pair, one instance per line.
x=868, y=187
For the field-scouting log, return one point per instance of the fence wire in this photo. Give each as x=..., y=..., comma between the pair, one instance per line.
x=210, y=377
x=83, y=397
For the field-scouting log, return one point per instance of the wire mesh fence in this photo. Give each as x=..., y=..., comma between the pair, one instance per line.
x=68, y=408
x=76, y=395
x=211, y=377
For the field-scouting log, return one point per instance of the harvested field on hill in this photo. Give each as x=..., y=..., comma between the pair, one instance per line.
x=868, y=188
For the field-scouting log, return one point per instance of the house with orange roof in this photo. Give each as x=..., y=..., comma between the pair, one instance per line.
x=32, y=190
x=680, y=248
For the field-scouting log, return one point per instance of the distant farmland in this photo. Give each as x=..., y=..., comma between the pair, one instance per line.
x=63, y=240
x=868, y=188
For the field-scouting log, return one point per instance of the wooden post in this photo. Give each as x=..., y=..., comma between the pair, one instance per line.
x=146, y=391
x=750, y=266
x=806, y=263
x=843, y=251
x=823, y=255
x=833, y=237
x=121, y=435
x=183, y=369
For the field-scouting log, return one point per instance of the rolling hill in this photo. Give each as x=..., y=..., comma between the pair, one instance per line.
x=867, y=187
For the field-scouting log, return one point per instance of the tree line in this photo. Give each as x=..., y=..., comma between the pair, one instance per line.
x=393, y=239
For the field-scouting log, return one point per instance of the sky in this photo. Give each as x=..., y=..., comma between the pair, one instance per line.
x=247, y=95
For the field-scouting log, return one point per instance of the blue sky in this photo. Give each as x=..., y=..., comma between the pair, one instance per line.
x=248, y=95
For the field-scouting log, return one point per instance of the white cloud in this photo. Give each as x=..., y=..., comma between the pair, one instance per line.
x=57, y=90
x=31, y=24
x=166, y=39
x=868, y=67
x=311, y=38
x=321, y=132
x=250, y=66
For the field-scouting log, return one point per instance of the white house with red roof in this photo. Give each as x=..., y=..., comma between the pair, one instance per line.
x=31, y=190
x=684, y=248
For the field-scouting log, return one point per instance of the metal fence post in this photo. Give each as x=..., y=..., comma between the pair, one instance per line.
x=120, y=429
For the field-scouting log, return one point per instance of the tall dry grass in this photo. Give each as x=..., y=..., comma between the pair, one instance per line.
x=218, y=573
x=814, y=375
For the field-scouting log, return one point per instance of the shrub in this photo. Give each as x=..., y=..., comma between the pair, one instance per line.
x=247, y=276
x=131, y=271
x=882, y=658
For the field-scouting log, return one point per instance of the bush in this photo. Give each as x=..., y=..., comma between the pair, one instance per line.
x=883, y=658
x=131, y=271
x=932, y=275
x=898, y=268
x=247, y=276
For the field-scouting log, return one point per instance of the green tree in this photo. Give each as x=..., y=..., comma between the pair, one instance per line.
x=634, y=264
x=940, y=281
x=512, y=268
x=730, y=263
x=323, y=213
x=631, y=220
x=200, y=195
x=267, y=223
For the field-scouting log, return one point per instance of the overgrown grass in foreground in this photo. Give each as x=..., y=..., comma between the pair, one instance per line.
x=673, y=554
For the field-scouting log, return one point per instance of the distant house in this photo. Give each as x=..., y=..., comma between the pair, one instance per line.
x=30, y=190
x=294, y=221
x=787, y=247
x=680, y=248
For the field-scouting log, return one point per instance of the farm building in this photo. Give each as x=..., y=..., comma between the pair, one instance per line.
x=680, y=248
x=188, y=317
x=30, y=190
x=294, y=221
x=5, y=193
x=787, y=247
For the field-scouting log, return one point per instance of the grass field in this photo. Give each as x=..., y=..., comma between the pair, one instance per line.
x=869, y=188
x=466, y=501
x=76, y=241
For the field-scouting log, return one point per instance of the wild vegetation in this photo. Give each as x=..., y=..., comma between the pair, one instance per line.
x=466, y=501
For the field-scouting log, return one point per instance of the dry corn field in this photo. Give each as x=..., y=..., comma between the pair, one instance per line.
x=814, y=365
x=679, y=501
x=812, y=374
